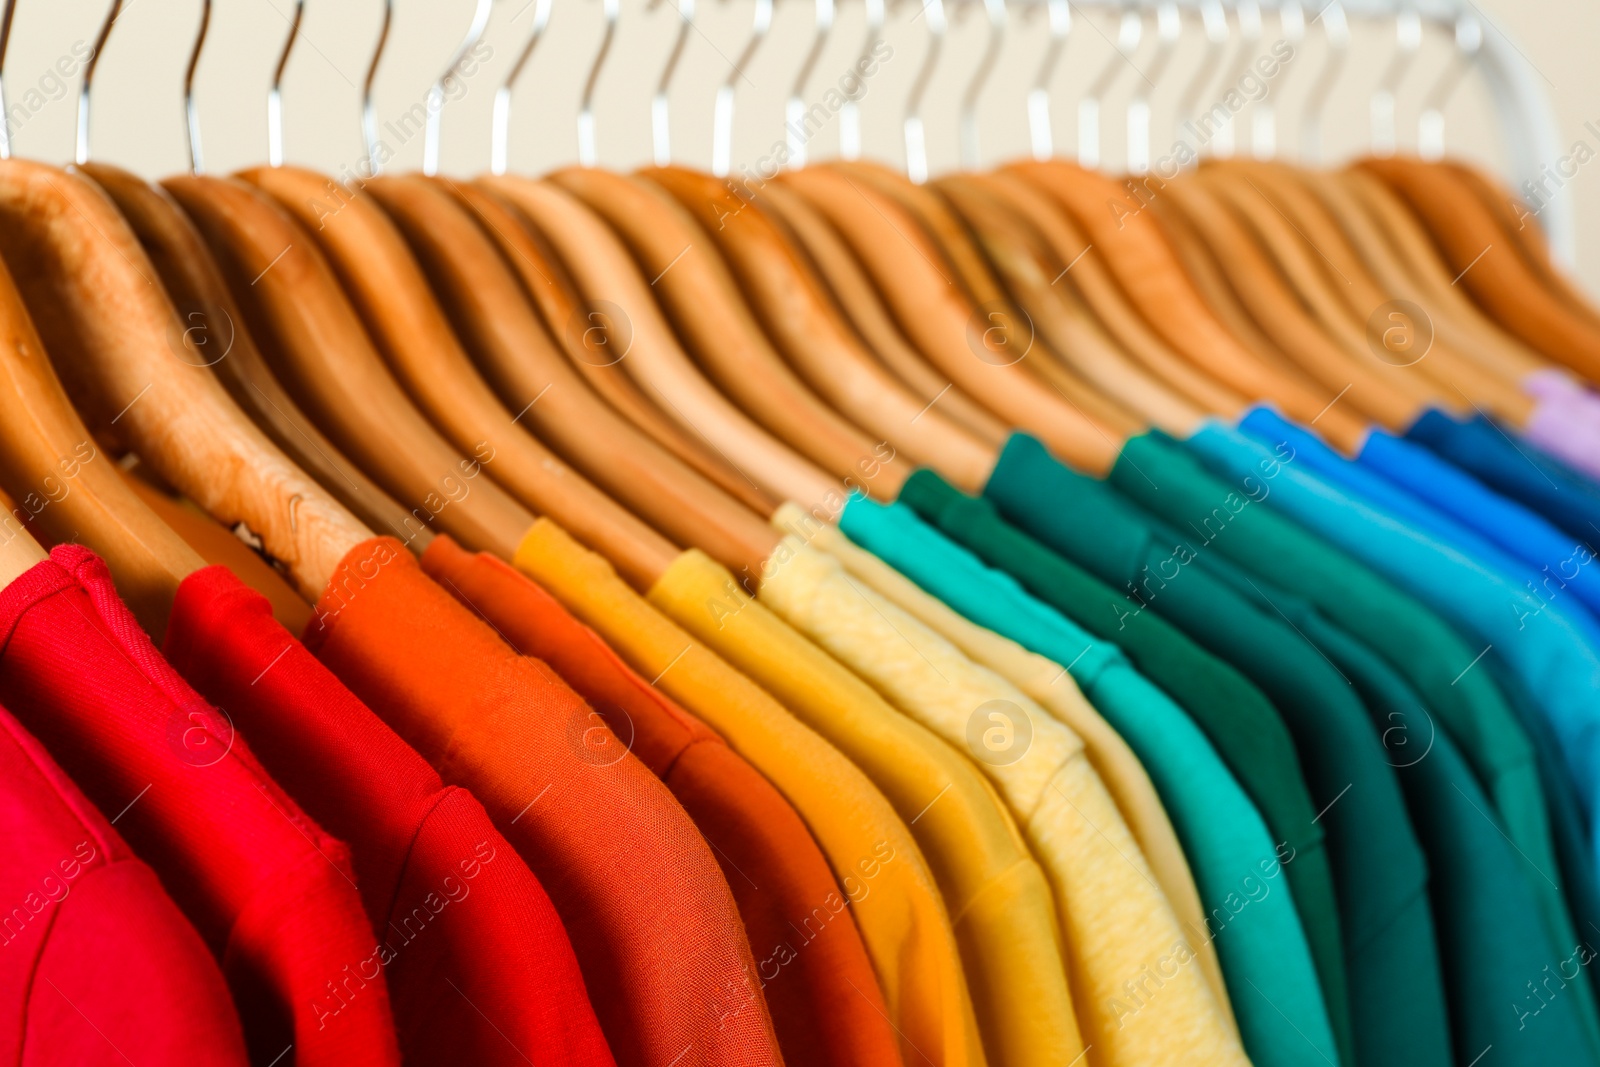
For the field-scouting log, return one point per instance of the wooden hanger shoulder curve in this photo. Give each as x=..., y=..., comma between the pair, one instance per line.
x=936, y=315
x=206, y=308
x=816, y=341
x=858, y=301
x=698, y=293
x=605, y=272
x=497, y=323
x=1123, y=227
x=312, y=337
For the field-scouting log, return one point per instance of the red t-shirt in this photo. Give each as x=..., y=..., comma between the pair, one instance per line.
x=824, y=998
x=97, y=965
x=654, y=924
x=478, y=965
x=269, y=891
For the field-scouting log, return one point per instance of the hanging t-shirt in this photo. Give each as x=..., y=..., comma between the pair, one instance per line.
x=1112, y=914
x=269, y=891
x=899, y=910
x=1566, y=497
x=1237, y=719
x=97, y=965
x=1048, y=683
x=824, y=1001
x=1250, y=908
x=994, y=891
x=654, y=925
x=477, y=963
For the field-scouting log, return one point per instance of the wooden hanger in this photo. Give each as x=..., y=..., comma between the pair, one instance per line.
x=1082, y=280
x=1495, y=274
x=698, y=293
x=1400, y=254
x=936, y=315
x=1124, y=230
x=314, y=340
x=801, y=320
x=391, y=294
x=1303, y=285
x=495, y=321
x=982, y=289
x=1522, y=230
x=604, y=271
x=1069, y=332
x=1350, y=295
x=108, y=324
x=857, y=299
x=194, y=282
x=582, y=339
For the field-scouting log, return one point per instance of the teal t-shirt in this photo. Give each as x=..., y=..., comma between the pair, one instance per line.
x=1266, y=960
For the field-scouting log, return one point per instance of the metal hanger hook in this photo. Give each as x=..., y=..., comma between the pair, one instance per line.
x=586, y=144
x=1129, y=31
x=996, y=10
x=1407, y=43
x=660, y=106
x=1039, y=135
x=915, y=133
x=451, y=75
x=1336, y=29
x=1430, y=124
x=1169, y=28
x=377, y=152
x=722, y=116
x=794, y=109
x=191, y=114
x=850, y=112
x=275, y=92
x=500, y=124
x=112, y=14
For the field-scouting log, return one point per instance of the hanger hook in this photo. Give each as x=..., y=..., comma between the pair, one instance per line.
x=722, y=116
x=996, y=10
x=1336, y=28
x=1169, y=28
x=586, y=145
x=500, y=127
x=1060, y=15
x=794, y=109
x=376, y=151
x=275, y=91
x=1430, y=124
x=1129, y=31
x=1407, y=42
x=5, y=110
x=191, y=114
x=1248, y=15
x=451, y=74
x=1264, y=122
x=660, y=107
x=915, y=133
x=850, y=112
x=112, y=14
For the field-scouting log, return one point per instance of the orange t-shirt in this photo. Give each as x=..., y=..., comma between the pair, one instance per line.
x=655, y=927
x=825, y=1001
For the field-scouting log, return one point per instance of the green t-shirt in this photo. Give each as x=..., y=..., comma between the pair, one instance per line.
x=1239, y=871
x=1422, y=648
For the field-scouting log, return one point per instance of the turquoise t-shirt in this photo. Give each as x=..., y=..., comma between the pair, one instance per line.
x=1236, y=865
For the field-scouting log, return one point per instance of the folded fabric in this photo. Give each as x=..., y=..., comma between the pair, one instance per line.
x=1113, y=916
x=97, y=965
x=898, y=908
x=1251, y=912
x=658, y=936
x=824, y=1000
x=269, y=891
x=477, y=963
x=1047, y=682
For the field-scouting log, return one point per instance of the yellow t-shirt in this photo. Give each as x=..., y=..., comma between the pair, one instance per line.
x=892, y=893
x=1115, y=917
x=1048, y=683
x=994, y=889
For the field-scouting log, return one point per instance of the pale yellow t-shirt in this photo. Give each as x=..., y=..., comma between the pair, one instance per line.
x=996, y=893
x=1048, y=683
x=1116, y=918
x=882, y=873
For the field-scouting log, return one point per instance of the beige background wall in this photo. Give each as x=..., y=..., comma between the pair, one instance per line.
x=138, y=117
